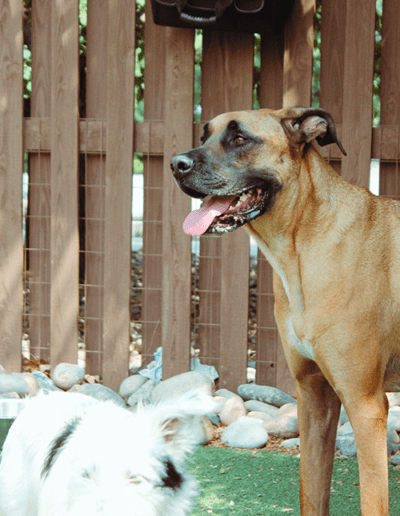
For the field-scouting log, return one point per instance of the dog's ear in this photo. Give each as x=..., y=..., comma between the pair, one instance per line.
x=179, y=420
x=303, y=125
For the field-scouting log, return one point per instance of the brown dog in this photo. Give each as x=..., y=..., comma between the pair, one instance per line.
x=335, y=251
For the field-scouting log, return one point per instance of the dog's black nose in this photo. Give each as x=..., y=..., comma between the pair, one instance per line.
x=181, y=164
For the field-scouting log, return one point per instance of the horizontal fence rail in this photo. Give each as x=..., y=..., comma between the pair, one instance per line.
x=149, y=138
x=73, y=287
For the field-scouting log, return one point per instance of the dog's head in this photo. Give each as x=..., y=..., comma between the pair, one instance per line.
x=245, y=160
x=134, y=463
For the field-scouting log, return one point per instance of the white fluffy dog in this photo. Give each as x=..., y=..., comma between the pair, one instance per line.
x=71, y=455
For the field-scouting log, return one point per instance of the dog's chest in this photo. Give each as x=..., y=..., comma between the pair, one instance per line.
x=303, y=346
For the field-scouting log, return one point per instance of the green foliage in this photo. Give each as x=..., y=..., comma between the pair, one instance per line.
x=198, y=56
x=139, y=61
x=376, y=107
x=316, y=76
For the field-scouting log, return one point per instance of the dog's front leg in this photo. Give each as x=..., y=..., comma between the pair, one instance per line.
x=318, y=412
x=368, y=417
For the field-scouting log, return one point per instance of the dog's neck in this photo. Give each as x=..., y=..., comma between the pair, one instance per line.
x=289, y=231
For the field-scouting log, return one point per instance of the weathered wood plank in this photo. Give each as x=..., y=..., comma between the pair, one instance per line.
x=150, y=134
x=64, y=182
x=357, y=91
x=118, y=180
x=176, y=270
x=225, y=264
x=299, y=43
x=154, y=104
x=96, y=107
x=333, y=39
x=39, y=196
x=297, y=86
x=390, y=104
x=11, y=167
x=271, y=74
x=271, y=96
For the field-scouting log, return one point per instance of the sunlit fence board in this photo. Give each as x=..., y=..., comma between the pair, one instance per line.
x=176, y=269
x=118, y=194
x=357, y=91
x=155, y=59
x=11, y=164
x=224, y=266
x=64, y=182
x=38, y=239
x=92, y=185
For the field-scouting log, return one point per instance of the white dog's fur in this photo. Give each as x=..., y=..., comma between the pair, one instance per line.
x=71, y=455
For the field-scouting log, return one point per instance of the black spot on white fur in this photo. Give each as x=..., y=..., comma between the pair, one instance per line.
x=172, y=479
x=58, y=444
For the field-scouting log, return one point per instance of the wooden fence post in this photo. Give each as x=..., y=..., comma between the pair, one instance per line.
x=390, y=104
x=268, y=341
x=297, y=84
x=39, y=241
x=95, y=164
x=11, y=166
x=224, y=89
x=118, y=194
x=64, y=182
x=333, y=44
x=154, y=107
x=176, y=205
x=357, y=91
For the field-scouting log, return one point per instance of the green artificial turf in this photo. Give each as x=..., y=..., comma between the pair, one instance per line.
x=263, y=483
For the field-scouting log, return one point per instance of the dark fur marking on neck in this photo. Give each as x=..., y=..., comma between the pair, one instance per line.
x=172, y=479
x=58, y=444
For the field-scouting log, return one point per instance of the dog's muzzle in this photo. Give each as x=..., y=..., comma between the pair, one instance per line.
x=225, y=208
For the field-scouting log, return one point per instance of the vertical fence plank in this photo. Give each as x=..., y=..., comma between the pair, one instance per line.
x=118, y=195
x=390, y=81
x=299, y=43
x=357, y=91
x=39, y=188
x=333, y=43
x=96, y=107
x=155, y=56
x=223, y=90
x=176, y=205
x=64, y=182
x=297, y=82
x=11, y=166
x=271, y=96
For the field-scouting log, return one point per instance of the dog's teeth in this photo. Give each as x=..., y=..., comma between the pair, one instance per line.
x=244, y=196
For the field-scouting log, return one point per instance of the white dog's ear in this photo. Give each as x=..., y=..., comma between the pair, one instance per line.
x=178, y=419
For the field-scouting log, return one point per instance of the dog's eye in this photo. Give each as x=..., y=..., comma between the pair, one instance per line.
x=239, y=140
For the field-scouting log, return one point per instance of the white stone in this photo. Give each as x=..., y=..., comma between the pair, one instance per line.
x=182, y=383
x=245, y=432
x=232, y=410
x=67, y=375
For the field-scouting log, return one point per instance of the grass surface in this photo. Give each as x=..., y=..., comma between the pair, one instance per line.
x=267, y=483
x=264, y=483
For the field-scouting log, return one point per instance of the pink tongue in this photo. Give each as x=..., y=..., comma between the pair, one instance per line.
x=198, y=221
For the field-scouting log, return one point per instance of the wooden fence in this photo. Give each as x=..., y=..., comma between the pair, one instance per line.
x=44, y=275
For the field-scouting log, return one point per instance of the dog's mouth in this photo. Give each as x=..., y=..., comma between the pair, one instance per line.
x=222, y=214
